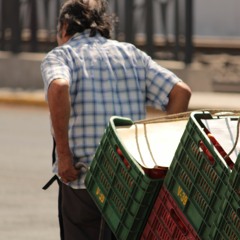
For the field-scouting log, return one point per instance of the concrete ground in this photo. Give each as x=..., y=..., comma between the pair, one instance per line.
x=26, y=211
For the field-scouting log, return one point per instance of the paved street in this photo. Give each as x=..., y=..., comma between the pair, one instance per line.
x=26, y=211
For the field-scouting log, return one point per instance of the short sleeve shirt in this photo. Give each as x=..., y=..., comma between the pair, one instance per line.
x=106, y=78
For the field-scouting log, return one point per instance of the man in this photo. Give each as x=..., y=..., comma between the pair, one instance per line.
x=87, y=79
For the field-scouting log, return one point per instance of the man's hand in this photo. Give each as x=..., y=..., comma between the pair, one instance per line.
x=66, y=170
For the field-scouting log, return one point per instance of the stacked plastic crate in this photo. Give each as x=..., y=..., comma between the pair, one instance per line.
x=200, y=195
x=197, y=199
x=120, y=187
x=227, y=224
x=166, y=221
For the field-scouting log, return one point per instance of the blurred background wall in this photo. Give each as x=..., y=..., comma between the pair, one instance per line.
x=176, y=30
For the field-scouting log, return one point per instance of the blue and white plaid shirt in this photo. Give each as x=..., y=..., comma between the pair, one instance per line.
x=106, y=78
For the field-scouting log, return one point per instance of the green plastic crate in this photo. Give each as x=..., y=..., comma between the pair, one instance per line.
x=197, y=183
x=227, y=225
x=120, y=188
x=234, y=180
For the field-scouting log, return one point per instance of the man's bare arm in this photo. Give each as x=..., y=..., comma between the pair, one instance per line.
x=179, y=98
x=59, y=106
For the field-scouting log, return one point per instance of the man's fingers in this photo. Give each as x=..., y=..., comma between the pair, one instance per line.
x=69, y=177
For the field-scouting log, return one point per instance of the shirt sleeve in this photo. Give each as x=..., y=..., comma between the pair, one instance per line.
x=54, y=66
x=159, y=83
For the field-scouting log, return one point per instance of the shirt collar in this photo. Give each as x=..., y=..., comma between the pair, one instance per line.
x=83, y=35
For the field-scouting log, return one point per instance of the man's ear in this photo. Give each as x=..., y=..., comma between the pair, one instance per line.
x=65, y=36
x=64, y=30
x=62, y=36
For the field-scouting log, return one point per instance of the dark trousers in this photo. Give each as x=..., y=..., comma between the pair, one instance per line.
x=79, y=217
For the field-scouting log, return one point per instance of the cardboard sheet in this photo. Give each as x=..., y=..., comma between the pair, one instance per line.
x=154, y=144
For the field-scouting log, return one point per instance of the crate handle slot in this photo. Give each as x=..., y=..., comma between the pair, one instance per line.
x=179, y=222
x=219, y=148
x=206, y=152
x=124, y=160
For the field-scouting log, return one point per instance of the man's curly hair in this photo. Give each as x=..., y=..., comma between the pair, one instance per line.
x=85, y=14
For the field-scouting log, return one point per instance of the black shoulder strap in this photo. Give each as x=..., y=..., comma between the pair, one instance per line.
x=50, y=182
x=54, y=178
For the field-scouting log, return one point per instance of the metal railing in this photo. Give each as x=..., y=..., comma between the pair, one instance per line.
x=30, y=25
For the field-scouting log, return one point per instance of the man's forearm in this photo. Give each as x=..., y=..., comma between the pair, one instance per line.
x=59, y=106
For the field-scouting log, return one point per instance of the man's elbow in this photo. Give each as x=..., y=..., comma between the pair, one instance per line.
x=182, y=90
x=179, y=98
x=186, y=91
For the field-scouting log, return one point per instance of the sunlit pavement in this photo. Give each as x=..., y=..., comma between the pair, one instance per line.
x=26, y=211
